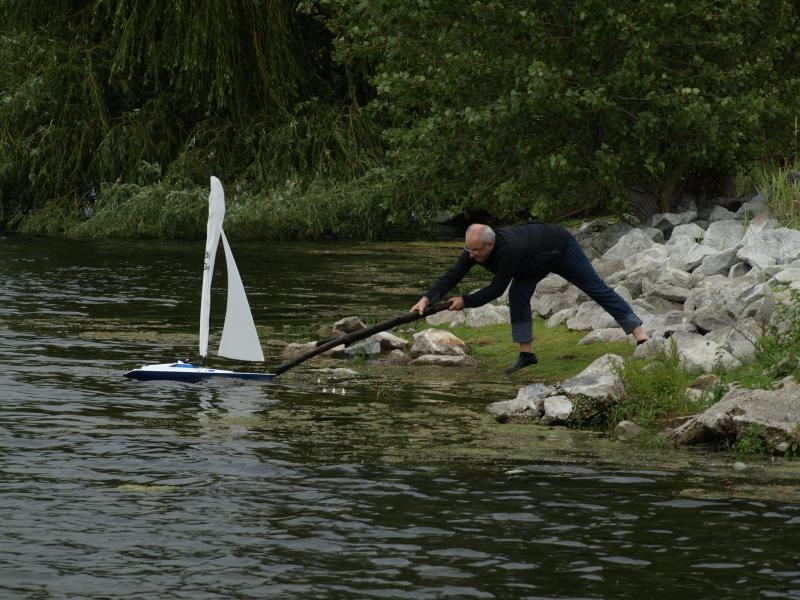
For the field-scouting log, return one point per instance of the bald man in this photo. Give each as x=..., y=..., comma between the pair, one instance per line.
x=523, y=255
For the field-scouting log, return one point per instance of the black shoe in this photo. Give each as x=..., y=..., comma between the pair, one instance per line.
x=523, y=360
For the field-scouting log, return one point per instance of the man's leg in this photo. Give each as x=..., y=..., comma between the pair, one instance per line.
x=578, y=270
x=519, y=304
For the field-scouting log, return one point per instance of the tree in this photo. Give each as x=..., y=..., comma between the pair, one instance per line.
x=105, y=98
x=512, y=109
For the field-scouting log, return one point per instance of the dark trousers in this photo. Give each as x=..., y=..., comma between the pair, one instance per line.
x=575, y=268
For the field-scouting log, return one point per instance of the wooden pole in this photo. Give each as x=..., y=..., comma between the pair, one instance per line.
x=365, y=332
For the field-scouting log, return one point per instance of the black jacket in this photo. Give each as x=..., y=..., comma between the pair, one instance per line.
x=531, y=250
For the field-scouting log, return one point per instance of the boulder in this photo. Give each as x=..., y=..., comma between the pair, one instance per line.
x=603, y=365
x=347, y=325
x=528, y=405
x=547, y=303
x=389, y=341
x=397, y=357
x=447, y=318
x=724, y=234
x=557, y=409
x=770, y=247
x=590, y=315
x=697, y=353
x=602, y=336
x=437, y=342
x=368, y=348
x=629, y=244
x=719, y=263
x=774, y=413
x=628, y=430
x=444, y=360
x=488, y=314
x=607, y=387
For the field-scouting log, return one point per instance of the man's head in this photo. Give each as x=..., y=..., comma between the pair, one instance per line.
x=479, y=241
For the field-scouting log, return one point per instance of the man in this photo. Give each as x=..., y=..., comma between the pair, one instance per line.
x=523, y=255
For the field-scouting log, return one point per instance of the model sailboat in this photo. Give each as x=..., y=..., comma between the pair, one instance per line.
x=239, y=338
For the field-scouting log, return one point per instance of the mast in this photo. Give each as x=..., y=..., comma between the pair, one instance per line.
x=216, y=214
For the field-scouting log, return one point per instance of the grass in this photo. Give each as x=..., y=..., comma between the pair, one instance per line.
x=556, y=348
x=782, y=192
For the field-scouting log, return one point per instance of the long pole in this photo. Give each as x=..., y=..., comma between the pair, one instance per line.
x=365, y=332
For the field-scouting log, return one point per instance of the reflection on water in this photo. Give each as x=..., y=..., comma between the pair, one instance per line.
x=121, y=489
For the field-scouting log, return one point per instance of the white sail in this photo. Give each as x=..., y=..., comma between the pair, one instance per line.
x=239, y=336
x=216, y=214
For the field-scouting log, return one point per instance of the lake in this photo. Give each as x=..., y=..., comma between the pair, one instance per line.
x=388, y=484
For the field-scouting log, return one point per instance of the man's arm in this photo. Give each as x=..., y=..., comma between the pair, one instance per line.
x=445, y=283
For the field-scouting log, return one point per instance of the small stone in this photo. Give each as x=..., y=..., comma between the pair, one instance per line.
x=348, y=325
x=628, y=430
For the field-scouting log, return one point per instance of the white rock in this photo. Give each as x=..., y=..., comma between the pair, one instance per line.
x=436, y=341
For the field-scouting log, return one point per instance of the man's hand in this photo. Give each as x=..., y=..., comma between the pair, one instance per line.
x=420, y=306
x=456, y=303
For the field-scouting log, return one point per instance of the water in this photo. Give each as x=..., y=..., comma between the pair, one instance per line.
x=401, y=488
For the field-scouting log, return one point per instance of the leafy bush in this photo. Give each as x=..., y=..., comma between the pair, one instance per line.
x=781, y=188
x=656, y=389
x=778, y=352
x=92, y=90
x=509, y=109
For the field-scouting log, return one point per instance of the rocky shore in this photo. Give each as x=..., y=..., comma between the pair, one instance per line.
x=704, y=281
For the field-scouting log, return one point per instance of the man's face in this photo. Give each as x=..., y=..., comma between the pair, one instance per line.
x=476, y=248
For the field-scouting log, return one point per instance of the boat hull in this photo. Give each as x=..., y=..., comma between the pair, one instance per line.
x=181, y=371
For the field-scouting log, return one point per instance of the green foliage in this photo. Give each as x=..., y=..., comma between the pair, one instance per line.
x=509, y=109
x=656, y=390
x=752, y=441
x=778, y=352
x=781, y=188
x=93, y=91
x=400, y=111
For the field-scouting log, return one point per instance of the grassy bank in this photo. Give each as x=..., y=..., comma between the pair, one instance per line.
x=292, y=210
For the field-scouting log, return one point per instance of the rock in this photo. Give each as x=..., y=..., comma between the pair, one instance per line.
x=561, y=316
x=629, y=244
x=628, y=430
x=604, y=365
x=557, y=409
x=447, y=318
x=699, y=354
x=661, y=325
x=594, y=386
x=666, y=222
x=488, y=314
x=528, y=405
x=534, y=391
x=444, y=360
x=691, y=230
x=720, y=213
x=771, y=247
x=705, y=382
x=436, y=341
x=389, y=341
x=724, y=234
x=336, y=352
x=719, y=263
x=325, y=331
x=605, y=335
x=369, y=349
x=775, y=412
x=590, y=315
x=548, y=303
x=397, y=357
x=342, y=373
x=292, y=350
x=348, y=325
